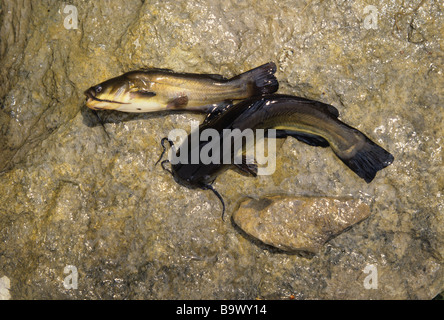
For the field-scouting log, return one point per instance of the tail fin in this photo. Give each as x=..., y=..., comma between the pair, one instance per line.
x=261, y=80
x=368, y=160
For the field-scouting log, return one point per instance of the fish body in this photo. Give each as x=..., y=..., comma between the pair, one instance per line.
x=309, y=121
x=151, y=90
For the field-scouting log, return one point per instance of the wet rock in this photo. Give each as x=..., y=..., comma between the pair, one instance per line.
x=298, y=223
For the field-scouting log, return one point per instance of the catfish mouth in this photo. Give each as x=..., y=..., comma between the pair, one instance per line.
x=90, y=97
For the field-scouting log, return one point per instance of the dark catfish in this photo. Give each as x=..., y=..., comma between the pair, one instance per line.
x=309, y=121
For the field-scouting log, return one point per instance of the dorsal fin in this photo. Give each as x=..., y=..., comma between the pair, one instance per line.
x=216, y=76
x=156, y=70
x=328, y=108
x=252, y=108
x=332, y=110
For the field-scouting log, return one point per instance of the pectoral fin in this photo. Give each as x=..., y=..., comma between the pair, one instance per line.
x=146, y=94
x=215, y=110
x=135, y=90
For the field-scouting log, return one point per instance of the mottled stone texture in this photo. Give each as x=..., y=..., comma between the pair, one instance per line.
x=81, y=188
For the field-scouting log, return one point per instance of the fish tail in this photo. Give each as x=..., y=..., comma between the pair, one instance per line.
x=368, y=160
x=260, y=80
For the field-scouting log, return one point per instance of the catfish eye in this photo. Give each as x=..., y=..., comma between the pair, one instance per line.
x=98, y=89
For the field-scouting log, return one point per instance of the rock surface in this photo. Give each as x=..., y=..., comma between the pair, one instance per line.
x=298, y=223
x=80, y=189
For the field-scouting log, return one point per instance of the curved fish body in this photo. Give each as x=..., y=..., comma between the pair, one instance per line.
x=152, y=90
x=309, y=121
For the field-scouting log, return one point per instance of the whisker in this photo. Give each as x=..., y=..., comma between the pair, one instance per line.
x=209, y=187
x=162, y=164
x=162, y=142
x=101, y=123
